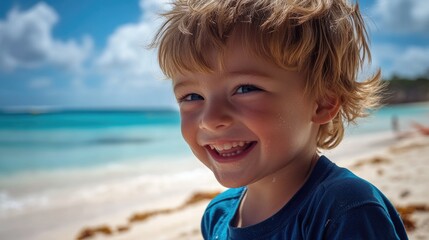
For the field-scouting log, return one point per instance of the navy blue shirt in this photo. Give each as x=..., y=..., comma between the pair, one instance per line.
x=332, y=204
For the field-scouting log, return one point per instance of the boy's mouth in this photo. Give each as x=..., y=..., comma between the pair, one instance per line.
x=230, y=149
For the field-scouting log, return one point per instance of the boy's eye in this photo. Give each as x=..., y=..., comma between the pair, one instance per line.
x=191, y=97
x=247, y=88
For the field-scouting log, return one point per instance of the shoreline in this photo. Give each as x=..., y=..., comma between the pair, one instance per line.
x=400, y=172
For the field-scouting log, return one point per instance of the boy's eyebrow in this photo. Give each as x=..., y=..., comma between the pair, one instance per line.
x=238, y=72
x=246, y=71
x=181, y=84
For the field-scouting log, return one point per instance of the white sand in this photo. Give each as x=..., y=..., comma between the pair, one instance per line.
x=402, y=174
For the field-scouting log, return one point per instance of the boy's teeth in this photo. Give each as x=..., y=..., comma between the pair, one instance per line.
x=231, y=154
x=228, y=146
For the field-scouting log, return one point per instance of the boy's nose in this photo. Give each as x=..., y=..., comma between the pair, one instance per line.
x=216, y=116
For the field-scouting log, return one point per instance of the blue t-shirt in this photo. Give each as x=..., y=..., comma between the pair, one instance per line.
x=332, y=204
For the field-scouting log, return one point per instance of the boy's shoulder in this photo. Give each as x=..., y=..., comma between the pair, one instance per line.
x=342, y=190
x=342, y=181
x=342, y=200
x=351, y=190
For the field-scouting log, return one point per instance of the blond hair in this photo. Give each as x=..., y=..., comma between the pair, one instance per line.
x=325, y=39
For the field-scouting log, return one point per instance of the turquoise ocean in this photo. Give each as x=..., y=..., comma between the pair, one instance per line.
x=79, y=139
x=60, y=158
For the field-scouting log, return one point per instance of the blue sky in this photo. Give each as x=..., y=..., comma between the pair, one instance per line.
x=91, y=54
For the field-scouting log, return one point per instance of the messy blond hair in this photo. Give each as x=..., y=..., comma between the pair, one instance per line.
x=324, y=39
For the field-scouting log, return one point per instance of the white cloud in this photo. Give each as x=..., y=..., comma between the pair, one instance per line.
x=126, y=54
x=413, y=61
x=152, y=8
x=126, y=61
x=130, y=70
x=402, y=16
x=406, y=61
x=27, y=41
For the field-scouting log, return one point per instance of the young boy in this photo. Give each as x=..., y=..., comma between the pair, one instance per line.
x=262, y=86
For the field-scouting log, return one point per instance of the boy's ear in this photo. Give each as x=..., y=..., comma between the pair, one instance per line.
x=326, y=109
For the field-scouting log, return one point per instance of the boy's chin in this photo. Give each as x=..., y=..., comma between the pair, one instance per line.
x=230, y=182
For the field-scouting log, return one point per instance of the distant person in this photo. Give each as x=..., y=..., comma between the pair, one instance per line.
x=262, y=87
x=395, y=124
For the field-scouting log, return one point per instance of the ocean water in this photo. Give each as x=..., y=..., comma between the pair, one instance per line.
x=381, y=120
x=64, y=158
x=79, y=139
x=60, y=159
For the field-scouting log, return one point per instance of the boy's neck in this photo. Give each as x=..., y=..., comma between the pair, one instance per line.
x=266, y=197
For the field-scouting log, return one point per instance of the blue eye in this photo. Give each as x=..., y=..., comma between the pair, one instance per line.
x=191, y=97
x=247, y=89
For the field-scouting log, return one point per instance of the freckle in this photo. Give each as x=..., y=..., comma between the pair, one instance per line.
x=282, y=123
x=281, y=120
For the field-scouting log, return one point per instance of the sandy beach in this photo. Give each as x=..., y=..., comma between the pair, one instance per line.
x=397, y=166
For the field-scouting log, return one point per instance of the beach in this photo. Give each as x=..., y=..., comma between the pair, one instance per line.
x=397, y=166
x=163, y=194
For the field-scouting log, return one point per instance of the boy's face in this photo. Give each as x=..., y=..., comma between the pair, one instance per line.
x=249, y=121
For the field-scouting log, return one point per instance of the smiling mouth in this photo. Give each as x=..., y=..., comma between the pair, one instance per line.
x=232, y=149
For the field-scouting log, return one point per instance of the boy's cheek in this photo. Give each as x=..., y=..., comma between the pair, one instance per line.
x=188, y=129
